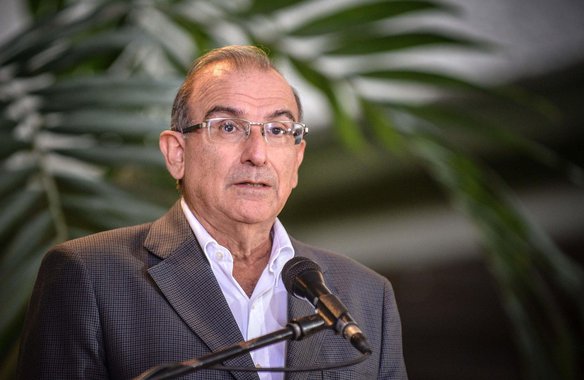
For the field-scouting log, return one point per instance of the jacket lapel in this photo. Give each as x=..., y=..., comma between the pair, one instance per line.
x=186, y=280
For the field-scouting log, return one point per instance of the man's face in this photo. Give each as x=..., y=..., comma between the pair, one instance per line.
x=249, y=181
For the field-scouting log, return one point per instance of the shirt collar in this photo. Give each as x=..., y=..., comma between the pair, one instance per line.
x=282, y=249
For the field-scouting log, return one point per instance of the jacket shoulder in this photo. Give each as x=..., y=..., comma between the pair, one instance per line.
x=119, y=239
x=339, y=266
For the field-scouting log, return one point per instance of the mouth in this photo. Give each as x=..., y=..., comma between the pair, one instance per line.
x=255, y=185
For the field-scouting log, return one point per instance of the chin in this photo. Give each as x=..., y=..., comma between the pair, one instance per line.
x=256, y=216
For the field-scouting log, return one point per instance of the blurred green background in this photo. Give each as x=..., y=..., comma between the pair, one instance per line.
x=446, y=152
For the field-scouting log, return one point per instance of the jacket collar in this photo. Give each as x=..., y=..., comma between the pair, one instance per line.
x=200, y=303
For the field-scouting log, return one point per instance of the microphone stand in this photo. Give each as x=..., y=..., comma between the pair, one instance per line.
x=296, y=329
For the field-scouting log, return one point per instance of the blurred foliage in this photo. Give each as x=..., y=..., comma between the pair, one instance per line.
x=87, y=86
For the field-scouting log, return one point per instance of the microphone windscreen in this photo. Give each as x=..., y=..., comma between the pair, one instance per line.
x=295, y=267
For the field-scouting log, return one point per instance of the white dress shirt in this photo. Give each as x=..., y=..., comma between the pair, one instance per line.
x=266, y=310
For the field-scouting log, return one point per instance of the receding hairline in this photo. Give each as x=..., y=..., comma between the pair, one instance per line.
x=239, y=56
x=221, y=70
x=238, y=59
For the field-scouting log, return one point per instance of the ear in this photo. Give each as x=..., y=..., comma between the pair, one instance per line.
x=172, y=146
x=299, y=157
x=300, y=152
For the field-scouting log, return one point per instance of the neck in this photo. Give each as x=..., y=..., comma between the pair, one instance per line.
x=250, y=257
x=250, y=246
x=244, y=241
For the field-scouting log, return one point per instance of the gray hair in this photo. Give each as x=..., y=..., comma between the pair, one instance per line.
x=241, y=57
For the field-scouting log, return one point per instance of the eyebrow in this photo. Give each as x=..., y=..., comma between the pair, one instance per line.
x=283, y=112
x=223, y=109
x=239, y=113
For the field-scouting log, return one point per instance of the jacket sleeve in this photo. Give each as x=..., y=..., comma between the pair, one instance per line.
x=62, y=337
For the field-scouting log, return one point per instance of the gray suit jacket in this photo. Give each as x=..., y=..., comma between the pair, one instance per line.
x=113, y=304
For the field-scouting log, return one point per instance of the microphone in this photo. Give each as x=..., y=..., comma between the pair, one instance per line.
x=303, y=279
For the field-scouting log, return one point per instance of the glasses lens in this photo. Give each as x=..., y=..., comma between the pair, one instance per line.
x=284, y=132
x=277, y=133
x=298, y=132
x=226, y=130
x=234, y=130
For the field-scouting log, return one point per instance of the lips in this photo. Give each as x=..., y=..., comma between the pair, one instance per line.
x=253, y=180
x=253, y=184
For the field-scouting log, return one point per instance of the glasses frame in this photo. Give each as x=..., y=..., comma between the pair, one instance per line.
x=206, y=124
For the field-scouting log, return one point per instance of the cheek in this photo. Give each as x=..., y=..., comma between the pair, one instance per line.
x=207, y=167
x=197, y=167
x=298, y=161
x=290, y=178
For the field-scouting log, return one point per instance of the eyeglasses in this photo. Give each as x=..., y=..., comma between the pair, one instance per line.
x=233, y=130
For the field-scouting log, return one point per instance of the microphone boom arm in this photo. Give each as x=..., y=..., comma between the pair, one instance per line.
x=296, y=329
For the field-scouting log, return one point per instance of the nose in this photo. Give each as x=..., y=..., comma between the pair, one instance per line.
x=255, y=149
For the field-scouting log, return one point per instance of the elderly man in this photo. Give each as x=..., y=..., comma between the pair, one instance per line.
x=208, y=273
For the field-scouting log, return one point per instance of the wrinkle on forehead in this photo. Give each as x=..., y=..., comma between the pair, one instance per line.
x=218, y=76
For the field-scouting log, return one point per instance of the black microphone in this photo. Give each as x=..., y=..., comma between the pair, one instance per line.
x=303, y=279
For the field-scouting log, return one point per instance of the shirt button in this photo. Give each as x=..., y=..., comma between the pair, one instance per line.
x=219, y=256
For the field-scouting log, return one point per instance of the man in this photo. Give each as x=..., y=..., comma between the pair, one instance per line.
x=207, y=274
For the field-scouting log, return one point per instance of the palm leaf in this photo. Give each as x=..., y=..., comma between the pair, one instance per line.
x=355, y=15
x=106, y=92
x=371, y=43
x=523, y=264
x=259, y=7
x=73, y=56
x=105, y=122
x=113, y=156
x=44, y=33
x=344, y=124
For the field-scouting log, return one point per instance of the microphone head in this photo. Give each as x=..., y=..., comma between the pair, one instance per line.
x=293, y=271
x=303, y=279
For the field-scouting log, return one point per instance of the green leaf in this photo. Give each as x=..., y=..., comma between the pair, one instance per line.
x=343, y=122
x=9, y=145
x=42, y=7
x=109, y=122
x=367, y=43
x=20, y=265
x=199, y=34
x=383, y=127
x=15, y=209
x=358, y=14
x=14, y=180
x=109, y=212
x=116, y=155
x=108, y=92
x=487, y=132
x=523, y=265
x=87, y=200
x=75, y=55
x=77, y=186
x=26, y=242
x=258, y=7
x=427, y=78
x=56, y=28
x=130, y=204
x=5, y=123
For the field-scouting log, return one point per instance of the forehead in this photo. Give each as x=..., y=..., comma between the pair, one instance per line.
x=253, y=92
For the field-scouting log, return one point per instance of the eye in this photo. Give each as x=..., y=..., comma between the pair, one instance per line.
x=228, y=127
x=277, y=129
